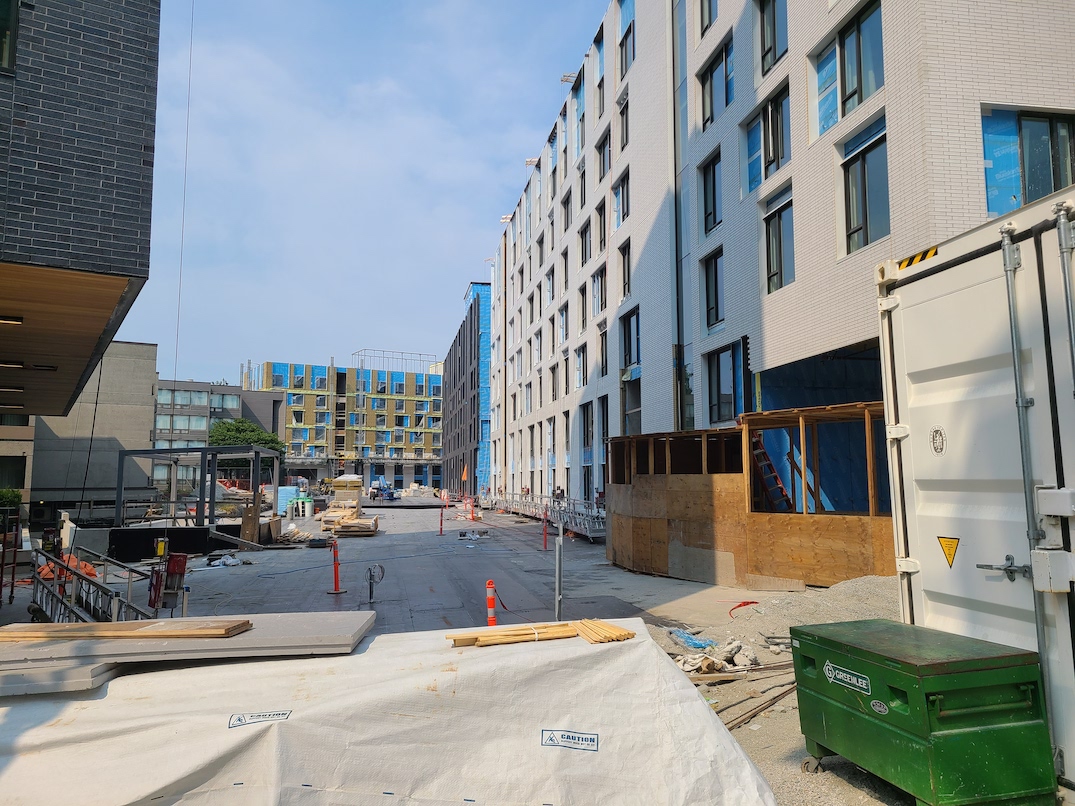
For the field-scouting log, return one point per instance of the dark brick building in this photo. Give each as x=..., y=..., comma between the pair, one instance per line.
x=78, y=92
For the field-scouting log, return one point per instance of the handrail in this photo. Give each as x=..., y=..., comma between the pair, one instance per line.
x=580, y=516
x=71, y=595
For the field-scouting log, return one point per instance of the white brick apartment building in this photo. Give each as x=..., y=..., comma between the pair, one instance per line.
x=773, y=151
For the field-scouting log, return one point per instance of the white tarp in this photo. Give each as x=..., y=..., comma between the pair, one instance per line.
x=405, y=719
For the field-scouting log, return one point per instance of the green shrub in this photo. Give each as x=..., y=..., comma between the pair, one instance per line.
x=10, y=498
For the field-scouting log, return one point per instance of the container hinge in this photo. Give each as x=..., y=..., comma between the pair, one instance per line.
x=908, y=565
x=888, y=303
x=897, y=431
x=1054, y=570
x=1025, y=403
x=1009, y=568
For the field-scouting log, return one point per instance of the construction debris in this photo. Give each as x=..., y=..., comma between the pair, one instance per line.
x=595, y=632
x=294, y=535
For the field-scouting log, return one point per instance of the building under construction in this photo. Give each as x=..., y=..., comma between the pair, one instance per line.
x=379, y=417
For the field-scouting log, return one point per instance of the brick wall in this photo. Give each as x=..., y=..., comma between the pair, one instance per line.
x=77, y=123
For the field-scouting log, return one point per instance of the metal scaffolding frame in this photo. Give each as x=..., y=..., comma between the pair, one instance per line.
x=207, y=480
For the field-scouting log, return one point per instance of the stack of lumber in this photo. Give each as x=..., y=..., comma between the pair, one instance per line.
x=336, y=511
x=600, y=632
x=354, y=525
x=595, y=632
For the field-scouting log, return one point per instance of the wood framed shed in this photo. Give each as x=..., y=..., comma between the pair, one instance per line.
x=718, y=506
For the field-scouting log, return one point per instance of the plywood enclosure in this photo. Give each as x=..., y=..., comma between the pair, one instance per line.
x=695, y=520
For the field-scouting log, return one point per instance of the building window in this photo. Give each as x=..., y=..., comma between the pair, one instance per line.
x=553, y=382
x=828, y=110
x=780, y=246
x=711, y=205
x=550, y=287
x=625, y=267
x=632, y=338
x=585, y=245
x=602, y=348
x=582, y=369
x=713, y=274
x=583, y=320
x=566, y=205
x=866, y=194
x=563, y=324
x=9, y=12
x=709, y=13
x=621, y=200
x=627, y=35
x=598, y=295
x=625, y=129
x=604, y=157
x=1046, y=144
x=774, y=32
x=602, y=227
x=579, y=97
x=862, y=64
x=769, y=139
x=722, y=385
x=717, y=84
x=632, y=407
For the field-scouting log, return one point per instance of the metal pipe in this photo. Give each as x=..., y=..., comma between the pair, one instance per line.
x=1012, y=262
x=1067, y=243
x=558, y=606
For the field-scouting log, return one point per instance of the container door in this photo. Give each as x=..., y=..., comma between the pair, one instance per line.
x=954, y=455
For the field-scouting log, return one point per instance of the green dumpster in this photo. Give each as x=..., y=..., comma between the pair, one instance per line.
x=948, y=719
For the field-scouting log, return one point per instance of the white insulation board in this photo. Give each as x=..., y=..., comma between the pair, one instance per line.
x=405, y=719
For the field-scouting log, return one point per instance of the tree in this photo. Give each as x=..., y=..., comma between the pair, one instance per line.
x=243, y=432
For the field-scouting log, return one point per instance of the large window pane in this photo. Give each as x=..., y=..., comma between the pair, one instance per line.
x=851, y=70
x=1037, y=158
x=877, y=191
x=873, y=62
x=856, y=233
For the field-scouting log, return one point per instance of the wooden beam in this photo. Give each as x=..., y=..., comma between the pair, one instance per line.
x=748, y=466
x=871, y=470
x=816, y=464
x=802, y=463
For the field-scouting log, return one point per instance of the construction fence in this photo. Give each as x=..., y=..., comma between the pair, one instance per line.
x=580, y=517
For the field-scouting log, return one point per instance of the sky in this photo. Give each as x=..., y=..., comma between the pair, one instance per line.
x=348, y=162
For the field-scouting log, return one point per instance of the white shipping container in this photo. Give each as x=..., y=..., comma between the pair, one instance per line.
x=982, y=503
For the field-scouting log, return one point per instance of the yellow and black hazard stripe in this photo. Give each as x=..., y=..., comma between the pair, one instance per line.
x=914, y=260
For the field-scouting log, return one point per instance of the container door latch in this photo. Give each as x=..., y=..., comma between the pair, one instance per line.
x=1009, y=568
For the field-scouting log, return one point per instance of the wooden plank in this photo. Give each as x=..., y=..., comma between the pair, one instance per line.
x=871, y=470
x=140, y=630
x=815, y=456
x=802, y=464
x=748, y=467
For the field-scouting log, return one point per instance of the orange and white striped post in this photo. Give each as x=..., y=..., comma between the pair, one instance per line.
x=490, y=602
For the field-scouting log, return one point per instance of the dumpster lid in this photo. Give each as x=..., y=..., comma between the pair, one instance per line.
x=918, y=650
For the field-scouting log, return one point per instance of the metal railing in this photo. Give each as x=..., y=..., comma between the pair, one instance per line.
x=578, y=516
x=72, y=596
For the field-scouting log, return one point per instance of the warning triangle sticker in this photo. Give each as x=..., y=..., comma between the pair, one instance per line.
x=551, y=739
x=949, y=546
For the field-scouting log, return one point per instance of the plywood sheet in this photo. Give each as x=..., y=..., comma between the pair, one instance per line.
x=272, y=634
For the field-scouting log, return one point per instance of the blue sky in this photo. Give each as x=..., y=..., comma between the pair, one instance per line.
x=349, y=162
